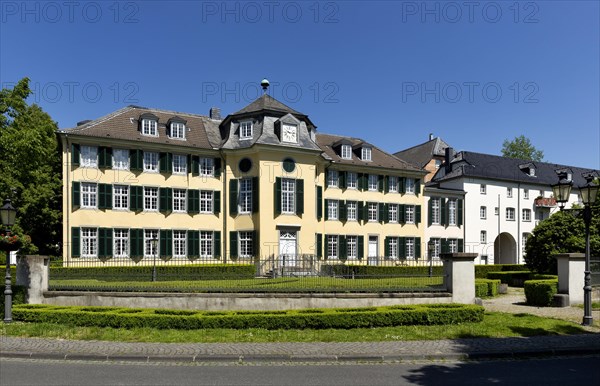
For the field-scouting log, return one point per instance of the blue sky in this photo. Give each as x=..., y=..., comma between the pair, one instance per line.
x=473, y=73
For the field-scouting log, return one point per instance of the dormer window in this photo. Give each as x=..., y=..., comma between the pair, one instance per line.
x=246, y=130
x=532, y=172
x=346, y=152
x=177, y=130
x=150, y=127
x=366, y=154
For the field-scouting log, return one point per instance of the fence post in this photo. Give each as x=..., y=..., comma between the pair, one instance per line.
x=459, y=278
x=570, y=275
x=32, y=272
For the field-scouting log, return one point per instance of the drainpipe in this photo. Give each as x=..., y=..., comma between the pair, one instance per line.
x=519, y=219
x=67, y=166
x=224, y=201
x=499, y=241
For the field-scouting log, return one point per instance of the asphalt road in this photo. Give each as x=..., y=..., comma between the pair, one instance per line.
x=552, y=371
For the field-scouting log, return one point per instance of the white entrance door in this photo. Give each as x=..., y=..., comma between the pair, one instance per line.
x=372, y=252
x=287, y=248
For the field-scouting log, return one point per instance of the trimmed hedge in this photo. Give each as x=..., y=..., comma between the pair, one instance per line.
x=340, y=318
x=19, y=295
x=486, y=287
x=481, y=271
x=357, y=271
x=143, y=273
x=540, y=292
x=518, y=278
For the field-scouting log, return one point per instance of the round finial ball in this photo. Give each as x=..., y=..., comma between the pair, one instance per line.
x=264, y=83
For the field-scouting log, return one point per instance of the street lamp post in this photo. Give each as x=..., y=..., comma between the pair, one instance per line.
x=154, y=244
x=7, y=215
x=589, y=193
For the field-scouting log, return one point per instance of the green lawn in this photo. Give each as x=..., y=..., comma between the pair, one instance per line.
x=495, y=325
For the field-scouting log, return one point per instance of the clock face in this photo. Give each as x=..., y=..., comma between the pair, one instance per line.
x=289, y=133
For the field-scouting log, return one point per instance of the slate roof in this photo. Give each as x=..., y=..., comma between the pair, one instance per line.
x=201, y=131
x=420, y=155
x=471, y=164
x=267, y=102
x=379, y=157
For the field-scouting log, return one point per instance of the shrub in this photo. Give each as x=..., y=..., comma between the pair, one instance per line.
x=481, y=271
x=19, y=295
x=540, y=292
x=512, y=278
x=357, y=271
x=486, y=287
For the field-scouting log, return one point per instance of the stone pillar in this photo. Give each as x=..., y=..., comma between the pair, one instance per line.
x=32, y=272
x=459, y=270
x=570, y=275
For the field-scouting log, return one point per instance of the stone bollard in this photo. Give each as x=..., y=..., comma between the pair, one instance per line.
x=459, y=279
x=570, y=275
x=32, y=272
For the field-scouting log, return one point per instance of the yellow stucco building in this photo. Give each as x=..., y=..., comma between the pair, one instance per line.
x=259, y=183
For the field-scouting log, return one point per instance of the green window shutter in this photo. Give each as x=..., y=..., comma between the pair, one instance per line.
x=417, y=214
x=402, y=185
x=163, y=163
x=460, y=245
x=319, y=203
x=326, y=209
x=105, y=242
x=75, y=242
x=386, y=213
x=105, y=157
x=277, y=196
x=255, y=195
x=319, y=246
x=139, y=199
x=445, y=245
x=136, y=244
x=326, y=249
x=104, y=196
x=417, y=186
x=430, y=211
x=166, y=243
x=217, y=244
x=75, y=154
x=193, y=201
x=136, y=160
x=342, y=248
x=195, y=165
x=443, y=211
x=363, y=181
x=386, y=184
x=76, y=195
x=360, y=246
x=233, y=198
x=342, y=211
x=402, y=247
x=165, y=200
x=417, y=247
x=193, y=244
x=386, y=247
x=459, y=214
x=382, y=214
x=360, y=211
x=217, y=167
x=299, y=197
x=233, y=245
x=342, y=179
x=216, y=202
x=380, y=183
x=402, y=213
x=255, y=244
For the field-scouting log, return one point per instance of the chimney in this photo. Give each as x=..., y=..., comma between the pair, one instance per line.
x=448, y=157
x=431, y=136
x=215, y=113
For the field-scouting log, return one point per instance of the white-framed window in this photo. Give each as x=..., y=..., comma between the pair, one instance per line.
x=206, y=201
x=150, y=127
x=352, y=247
x=373, y=182
x=483, y=212
x=179, y=244
x=510, y=214
x=89, y=195
x=452, y=245
x=436, y=247
x=332, y=178
x=88, y=157
x=393, y=213
x=177, y=130
x=351, y=210
x=206, y=244
x=120, y=197
x=120, y=159
x=151, y=162
x=332, y=247
x=435, y=211
x=288, y=195
x=366, y=154
x=332, y=209
x=393, y=247
x=246, y=130
x=482, y=189
x=150, y=249
x=483, y=237
x=351, y=180
x=179, y=164
x=121, y=243
x=526, y=214
x=372, y=211
x=89, y=242
x=393, y=184
x=346, y=152
x=245, y=195
x=207, y=167
x=451, y=212
x=150, y=199
x=409, y=214
x=526, y=194
x=245, y=239
x=410, y=186
x=509, y=192
x=410, y=248
x=179, y=200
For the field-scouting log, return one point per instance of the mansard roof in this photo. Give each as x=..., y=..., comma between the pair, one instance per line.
x=420, y=155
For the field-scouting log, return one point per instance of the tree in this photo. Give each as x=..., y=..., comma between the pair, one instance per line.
x=521, y=148
x=30, y=168
x=563, y=232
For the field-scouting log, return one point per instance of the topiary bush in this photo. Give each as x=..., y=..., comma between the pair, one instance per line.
x=540, y=292
x=486, y=287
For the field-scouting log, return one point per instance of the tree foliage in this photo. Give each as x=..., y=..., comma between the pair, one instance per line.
x=521, y=148
x=563, y=232
x=30, y=168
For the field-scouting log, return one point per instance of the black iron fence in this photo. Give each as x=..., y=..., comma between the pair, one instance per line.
x=275, y=273
x=595, y=271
